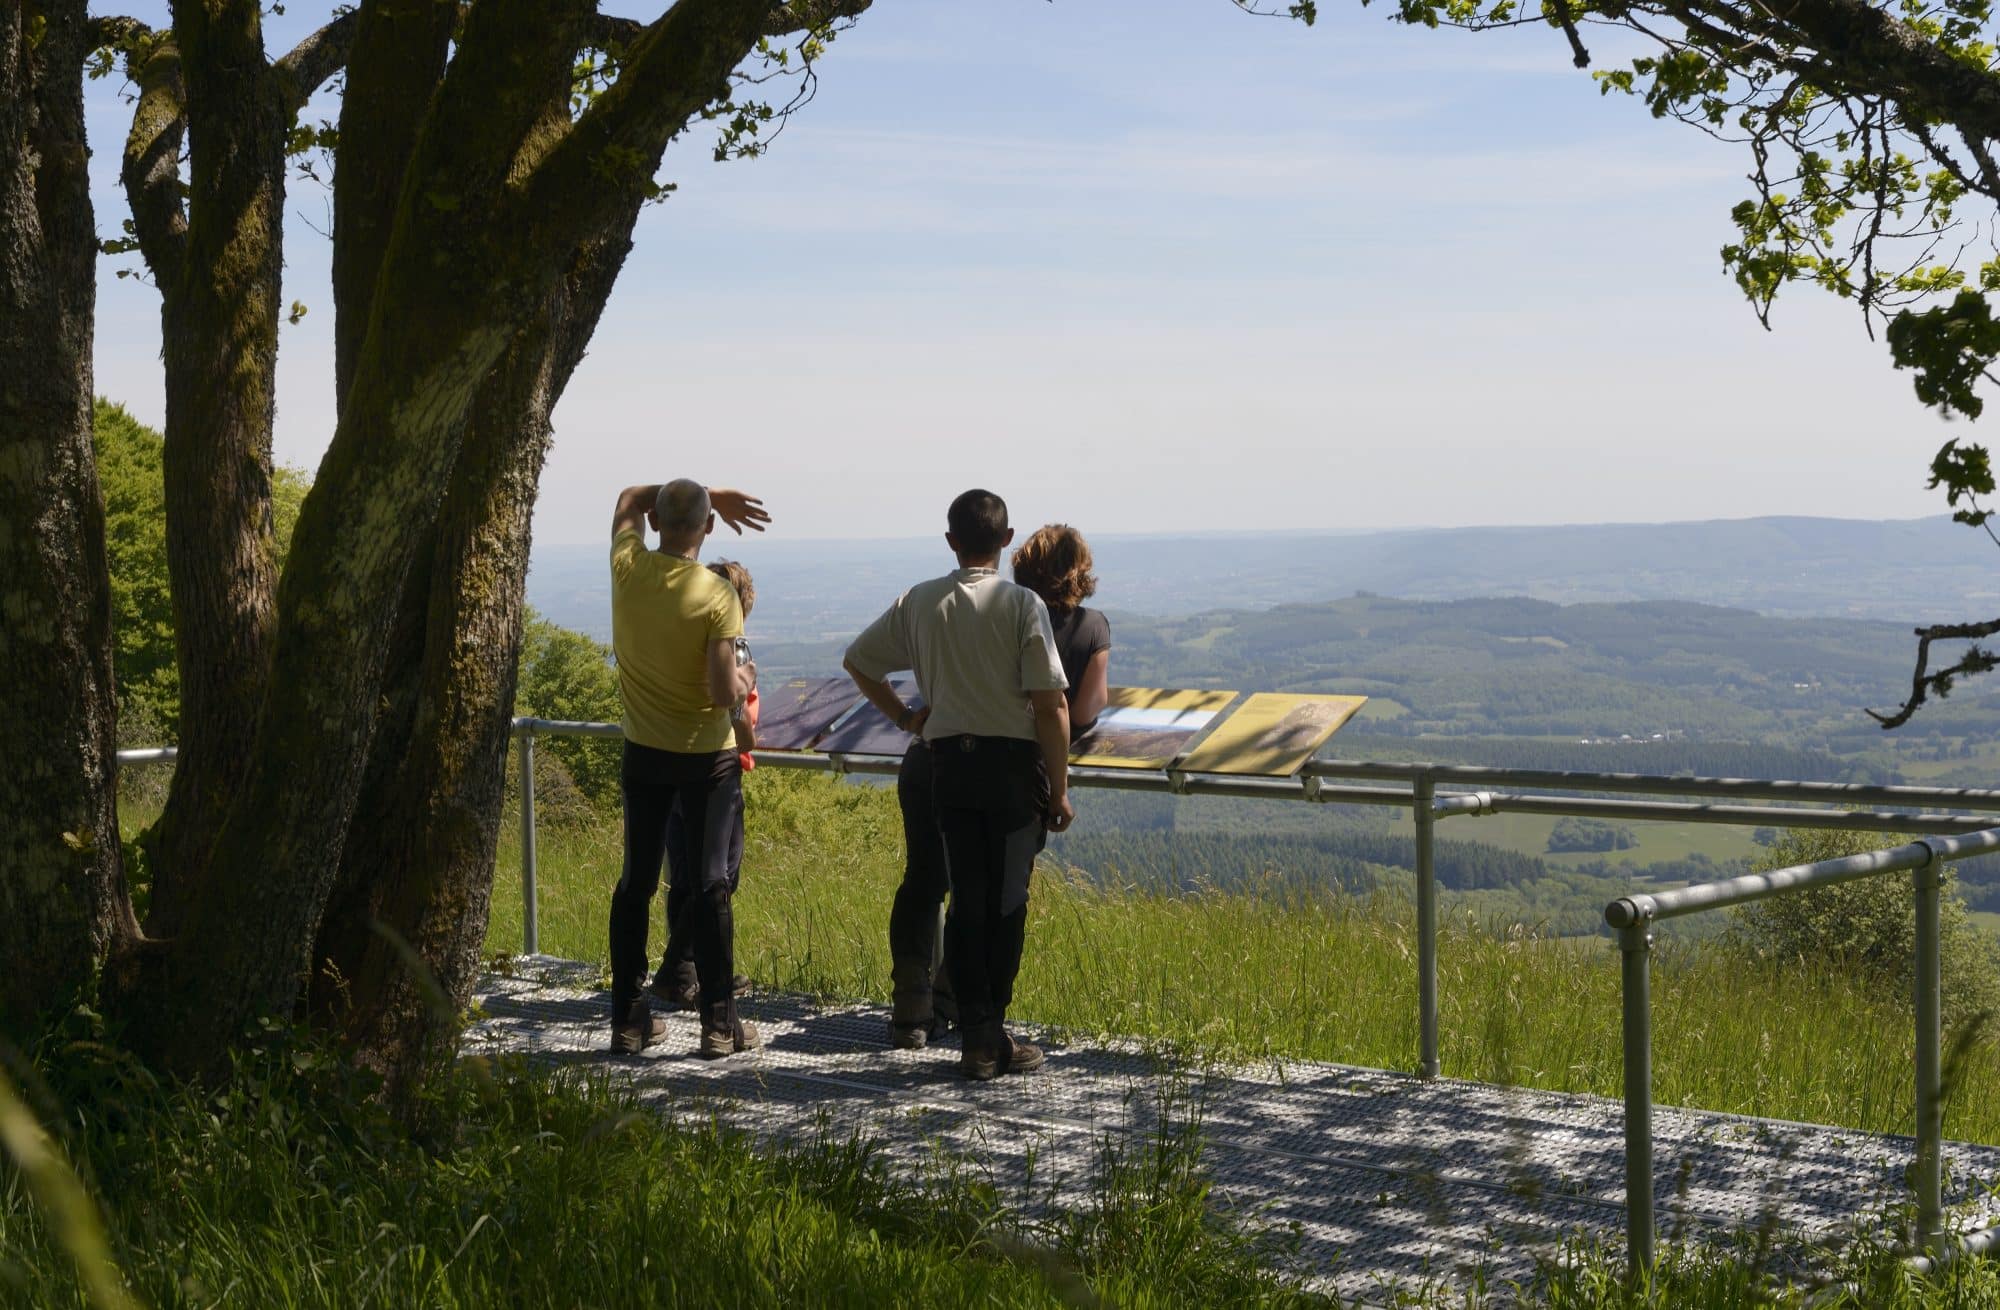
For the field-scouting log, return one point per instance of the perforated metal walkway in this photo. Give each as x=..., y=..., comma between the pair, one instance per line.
x=1387, y=1181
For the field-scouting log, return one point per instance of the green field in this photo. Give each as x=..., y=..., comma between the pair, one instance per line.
x=1657, y=842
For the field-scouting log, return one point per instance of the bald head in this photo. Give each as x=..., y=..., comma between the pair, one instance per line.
x=682, y=508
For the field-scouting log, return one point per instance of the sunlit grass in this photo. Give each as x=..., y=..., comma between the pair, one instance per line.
x=286, y=1187
x=1319, y=977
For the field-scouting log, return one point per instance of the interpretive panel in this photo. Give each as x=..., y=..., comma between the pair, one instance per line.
x=1147, y=727
x=867, y=731
x=794, y=715
x=1271, y=734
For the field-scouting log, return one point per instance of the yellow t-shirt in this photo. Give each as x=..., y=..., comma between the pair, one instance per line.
x=665, y=611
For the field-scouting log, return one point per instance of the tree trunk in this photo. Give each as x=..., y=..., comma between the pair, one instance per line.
x=439, y=767
x=62, y=888
x=462, y=287
x=398, y=949
x=397, y=61
x=482, y=236
x=219, y=331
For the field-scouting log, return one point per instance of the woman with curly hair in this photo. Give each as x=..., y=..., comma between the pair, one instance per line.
x=1055, y=565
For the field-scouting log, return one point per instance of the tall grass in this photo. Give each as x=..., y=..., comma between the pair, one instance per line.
x=1288, y=973
x=285, y=1187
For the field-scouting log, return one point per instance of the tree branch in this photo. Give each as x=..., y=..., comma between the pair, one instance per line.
x=115, y=30
x=151, y=168
x=1923, y=684
x=1868, y=50
x=608, y=30
x=1578, y=54
x=315, y=59
x=804, y=15
x=679, y=64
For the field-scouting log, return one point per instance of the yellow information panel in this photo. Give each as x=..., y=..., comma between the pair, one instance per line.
x=1147, y=727
x=1271, y=734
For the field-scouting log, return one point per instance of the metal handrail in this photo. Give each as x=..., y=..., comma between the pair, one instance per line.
x=1952, y=836
x=1633, y=916
x=1770, y=789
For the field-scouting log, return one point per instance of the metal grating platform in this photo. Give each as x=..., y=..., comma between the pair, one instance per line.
x=1388, y=1181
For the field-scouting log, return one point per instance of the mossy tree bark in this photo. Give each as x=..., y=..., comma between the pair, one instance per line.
x=398, y=951
x=217, y=259
x=484, y=226
x=62, y=892
x=487, y=223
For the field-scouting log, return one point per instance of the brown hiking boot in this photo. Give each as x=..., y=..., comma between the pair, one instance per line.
x=911, y=1021
x=984, y=1062
x=685, y=993
x=726, y=1034
x=641, y=1029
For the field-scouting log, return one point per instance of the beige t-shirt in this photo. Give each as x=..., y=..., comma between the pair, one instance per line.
x=978, y=645
x=665, y=611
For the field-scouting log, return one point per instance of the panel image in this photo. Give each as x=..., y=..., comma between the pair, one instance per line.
x=867, y=731
x=1271, y=734
x=1147, y=727
x=793, y=715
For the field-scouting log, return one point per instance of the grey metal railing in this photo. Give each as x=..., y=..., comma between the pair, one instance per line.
x=1966, y=828
x=1632, y=917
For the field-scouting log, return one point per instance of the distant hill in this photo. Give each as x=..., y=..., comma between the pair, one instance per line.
x=1919, y=570
x=1637, y=671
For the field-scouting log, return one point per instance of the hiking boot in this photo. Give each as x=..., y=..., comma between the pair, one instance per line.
x=944, y=1002
x=685, y=994
x=641, y=1029
x=911, y=1022
x=984, y=1062
x=726, y=1034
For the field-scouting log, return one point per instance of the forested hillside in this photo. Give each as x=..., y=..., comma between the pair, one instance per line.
x=1651, y=687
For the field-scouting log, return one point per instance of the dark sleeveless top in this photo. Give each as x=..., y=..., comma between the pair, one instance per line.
x=1080, y=633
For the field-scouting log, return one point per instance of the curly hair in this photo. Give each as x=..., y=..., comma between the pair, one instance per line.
x=1055, y=565
x=738, y=577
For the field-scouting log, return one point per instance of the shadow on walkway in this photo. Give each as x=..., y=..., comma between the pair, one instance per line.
x=1385, y=1179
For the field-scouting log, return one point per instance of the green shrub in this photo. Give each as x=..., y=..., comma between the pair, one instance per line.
x=566, y=675
x=1868, y=926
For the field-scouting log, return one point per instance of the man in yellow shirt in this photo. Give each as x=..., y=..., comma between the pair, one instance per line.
x=674, y=627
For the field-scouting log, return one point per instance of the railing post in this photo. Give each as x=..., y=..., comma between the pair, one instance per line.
x=1423, y=796
x=1635, y=944
x=1929, y=879
x=531, y=934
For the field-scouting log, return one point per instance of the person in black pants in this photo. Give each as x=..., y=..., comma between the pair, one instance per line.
x=997, y=730
x=707, y=791
x=1054, y=563
x=674, y=630
x=676, y=981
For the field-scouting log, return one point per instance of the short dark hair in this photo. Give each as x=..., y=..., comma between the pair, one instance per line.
x=978, y=522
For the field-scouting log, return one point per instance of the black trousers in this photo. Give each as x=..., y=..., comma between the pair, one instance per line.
x=708, y=790
x=991, y=795
x=913, y=914
x=684, y=891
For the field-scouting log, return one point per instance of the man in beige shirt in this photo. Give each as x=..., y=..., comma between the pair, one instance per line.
x=996, y=730
x=674, y=627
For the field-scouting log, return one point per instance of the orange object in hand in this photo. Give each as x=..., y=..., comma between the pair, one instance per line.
x=747, y=727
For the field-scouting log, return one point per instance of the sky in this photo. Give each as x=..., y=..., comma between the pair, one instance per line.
x=1159, y=266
